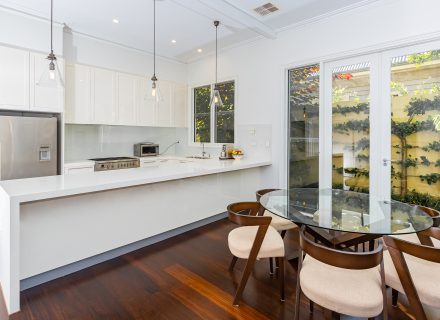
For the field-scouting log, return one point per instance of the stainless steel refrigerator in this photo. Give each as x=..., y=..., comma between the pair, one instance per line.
x=28, y=147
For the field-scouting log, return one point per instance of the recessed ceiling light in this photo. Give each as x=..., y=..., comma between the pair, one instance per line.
x=173, y=41
x=115, y=20
x=199, y=50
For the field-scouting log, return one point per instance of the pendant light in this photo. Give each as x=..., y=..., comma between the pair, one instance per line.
x=51, y=77
x=155, y=92
x=216, y=99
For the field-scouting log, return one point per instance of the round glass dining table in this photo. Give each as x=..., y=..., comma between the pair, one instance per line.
x=346, y=211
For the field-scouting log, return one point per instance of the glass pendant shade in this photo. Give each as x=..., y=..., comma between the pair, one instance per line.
x=154, y=94
x=51, y=77
x=216, y=99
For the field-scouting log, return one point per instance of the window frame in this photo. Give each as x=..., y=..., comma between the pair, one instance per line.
x=191, y=137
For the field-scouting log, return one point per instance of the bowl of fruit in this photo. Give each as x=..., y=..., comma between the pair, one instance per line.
x=237, y=154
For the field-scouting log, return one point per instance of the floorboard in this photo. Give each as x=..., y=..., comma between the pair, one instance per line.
x=185, y=277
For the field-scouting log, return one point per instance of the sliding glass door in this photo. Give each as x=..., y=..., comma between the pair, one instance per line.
x=369, y=124
x=413, y=156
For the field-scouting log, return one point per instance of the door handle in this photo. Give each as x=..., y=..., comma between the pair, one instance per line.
x=385, y=161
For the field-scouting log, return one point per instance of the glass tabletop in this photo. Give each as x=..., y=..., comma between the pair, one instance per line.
x=346, y=211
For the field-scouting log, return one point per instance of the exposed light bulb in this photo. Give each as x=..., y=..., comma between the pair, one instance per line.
x=153, y=89
x=215, y=99
x=52, y=74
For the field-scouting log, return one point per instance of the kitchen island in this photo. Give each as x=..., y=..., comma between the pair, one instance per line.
x=53, y=226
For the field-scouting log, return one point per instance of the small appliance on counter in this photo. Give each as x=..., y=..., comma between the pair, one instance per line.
x=104, y=164
x=226, y=153
x=145, y=149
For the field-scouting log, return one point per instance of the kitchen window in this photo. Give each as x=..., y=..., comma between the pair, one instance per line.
x=211, y=124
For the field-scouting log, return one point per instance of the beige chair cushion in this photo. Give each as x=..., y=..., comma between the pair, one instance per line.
x=241, y=240
x=280, y=223
x=355, y=293
x=425, y=275
x=432, y=313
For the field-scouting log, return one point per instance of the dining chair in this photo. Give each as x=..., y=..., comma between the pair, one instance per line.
x=344, y=282
x=414, y=270
x=282, y=225
x=255, y=239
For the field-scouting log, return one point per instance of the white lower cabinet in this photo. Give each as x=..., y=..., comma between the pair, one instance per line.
x=101, y=96
x=79, y=168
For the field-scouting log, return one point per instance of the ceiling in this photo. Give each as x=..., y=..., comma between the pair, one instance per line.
x=188, y=22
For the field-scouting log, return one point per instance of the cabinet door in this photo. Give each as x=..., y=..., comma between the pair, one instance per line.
x=146, y=108
x=164, y=105
x=179, y=106
x=126, y=99
x=103, y=96
x=14, y=79
x=45, y=98
x=78, y=94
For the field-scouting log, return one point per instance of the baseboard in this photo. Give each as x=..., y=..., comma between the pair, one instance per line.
x=79, y=265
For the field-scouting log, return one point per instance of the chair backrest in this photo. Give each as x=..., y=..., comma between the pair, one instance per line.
x=435, y=215
x=246, y=214
x=262, y=192
x=397, y=247
x=341, y=259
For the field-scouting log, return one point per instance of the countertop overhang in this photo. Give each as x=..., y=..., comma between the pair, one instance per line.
x=35, y=189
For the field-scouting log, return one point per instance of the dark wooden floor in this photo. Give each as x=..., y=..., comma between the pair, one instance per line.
x=181, y=278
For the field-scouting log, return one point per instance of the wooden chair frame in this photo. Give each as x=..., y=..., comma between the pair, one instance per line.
x=246, y=214
x=397, y=247
x=340, y=259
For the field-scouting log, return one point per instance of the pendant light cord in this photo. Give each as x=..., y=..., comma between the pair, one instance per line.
x=51, y=26
x=216, y=51
x=154, y=38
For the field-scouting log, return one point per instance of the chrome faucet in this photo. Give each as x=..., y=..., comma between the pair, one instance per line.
x=204, y=153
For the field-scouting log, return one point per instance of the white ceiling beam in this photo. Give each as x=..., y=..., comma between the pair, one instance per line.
x=213, y=8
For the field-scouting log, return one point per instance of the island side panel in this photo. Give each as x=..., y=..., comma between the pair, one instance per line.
x=61, y=231
x=9, y=264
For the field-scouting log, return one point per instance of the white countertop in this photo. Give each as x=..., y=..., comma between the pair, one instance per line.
x=33, y=189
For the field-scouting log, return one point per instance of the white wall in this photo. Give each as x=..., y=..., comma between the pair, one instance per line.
x=259, y=67
x=24, y=31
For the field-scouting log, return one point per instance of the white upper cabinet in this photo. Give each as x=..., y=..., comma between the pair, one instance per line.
x=145, y=107
x=78, y=94
x=103, y=96
x=100, y=96
x=126, y=99
x=45, y=98
x=164, y=104
x=14, y=79
x=179, y=112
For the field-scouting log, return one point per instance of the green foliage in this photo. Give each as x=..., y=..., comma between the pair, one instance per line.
x=437, y=163
x=423, y=199
x=424, y=160
x=363, y=157
x=405, y=129
x=434, y=146
x=399, y=88
x=421, y=106
x=358, y=108
x=353, y=125
x=430, y=178
x=363, y=144
x=339, y=170
x=357, y=172
x=419, y=58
